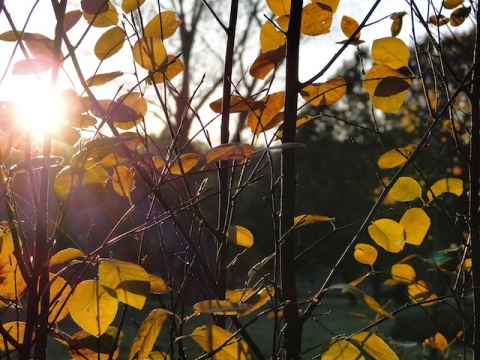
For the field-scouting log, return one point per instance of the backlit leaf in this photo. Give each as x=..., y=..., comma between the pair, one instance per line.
x=316, y=20
x=270, y=38
x=395, y=157
x=70, y=19
x=147, y=334
x=130, y=282
x=438, y=20
x=240, y=236
x=266, y=62
x=158, y=355
x=390, y=51
x=66, y=134
x=330, y=5
x=117, y=112
x=17, y=330
x=406, y=189
x=66, y=255
x=136, y=102
x=266, y=118
x=131, y=5
x=452, y=4
x=388, y=234
x=12, y=284
x=31, y=66
x=174, y=66
x=445, y=185
x=92, y=307
x=255, y=299
x=301, y=120
x=437, y=342
x=101, y=79
x=403, y=273
x=365, y=298
x=365, y=254
x=374, y=77
x=212, y=337
x=237, y=104
x=416, y=224
x=150, y=53
x=458, y=16
x=232, y=151
x=59, y=298
x=80, y=187
x=158, y=285
x=302, y=220
x=324, y=94
x=123, y=180
x=109, y=43
x=162, y=26
x=105, y=19
x=339, y=349
x=375, y=346
x=94, y=6
x=86, y=346
x=279, y=7
x=220, y=307
x=396, y=26
x=349, y=26
x=184, y=164
x=420, y=292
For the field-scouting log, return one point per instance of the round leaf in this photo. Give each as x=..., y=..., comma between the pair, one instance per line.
x=406, y=189
x=109, y=43
x=162, y=26
x=388, y=234
x=92, y=307
x=316, y=20
x=365, y=254
x=403, y=273
x=375, y=346
x=240, y=236
x=390, y=51
x=416, y=224
x=150, y=53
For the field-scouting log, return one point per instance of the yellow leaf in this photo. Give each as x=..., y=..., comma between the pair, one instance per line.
x=147, y=334
x=302, y=220
x=416, y=224
x=339, y=349
x=365, y=254
x=212, y=338
x=232, y=151
x=255, y=299
x=266, y=118
x=103, y=19
x=279, y=7
x=375, y=346
x=316, y=20
x=17, y=330
x=80, y=187
x=130, y=282
x=387, y=87
x=395, y=157
x=174, y=66
x=162, y=26
x=420, y=292
x=396, y=26
x=452, y=4
x=237, y=104
x=59, y=298
x=12, y=284
x=360, y=295
x=301, y=120
x=184, y=164
x=220, y=307
x=101, y=79
x=109, y=43
x=266, y=62
x=150, y=53
x=403, y=273
x=92, y=307
x=437, y=342
x=388, y=234
x=330, y=5
x=240, y=236
x=324, y=94
x=86, y=346
x=445, y=185
x=158, y=285
x=390, y=51
x=131, y=5
x=406, y=189
x=123, y=180
x=270, y=38
x=349, y=26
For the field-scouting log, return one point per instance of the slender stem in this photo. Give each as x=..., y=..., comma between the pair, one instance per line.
x=293, y=327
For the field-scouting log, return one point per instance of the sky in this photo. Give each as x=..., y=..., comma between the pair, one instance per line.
x=315, y=52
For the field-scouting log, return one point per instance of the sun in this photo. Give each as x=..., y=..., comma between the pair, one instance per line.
x=39, y=109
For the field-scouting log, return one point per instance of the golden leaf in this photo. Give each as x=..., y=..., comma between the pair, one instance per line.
x=349, y=26
x=365, y=254
x=131, y=5
x=109, y=43
x=270, y=38
x=395, y=157
x=158, y=285
x=266, y=118
x=388, y=234
x=150, y=53
x=162, y=26
x=406, y=189
x=445, y=185
x=416, y=224
x=66, y=255
x=240, y=236
x=105, y=18
x=232, y=151
x=403, y=273
x=375, y=346
x=316, y=20
x=327, y=93
x=390, y=51
x=339, y=349
x=101, y=79
x=220, y=307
